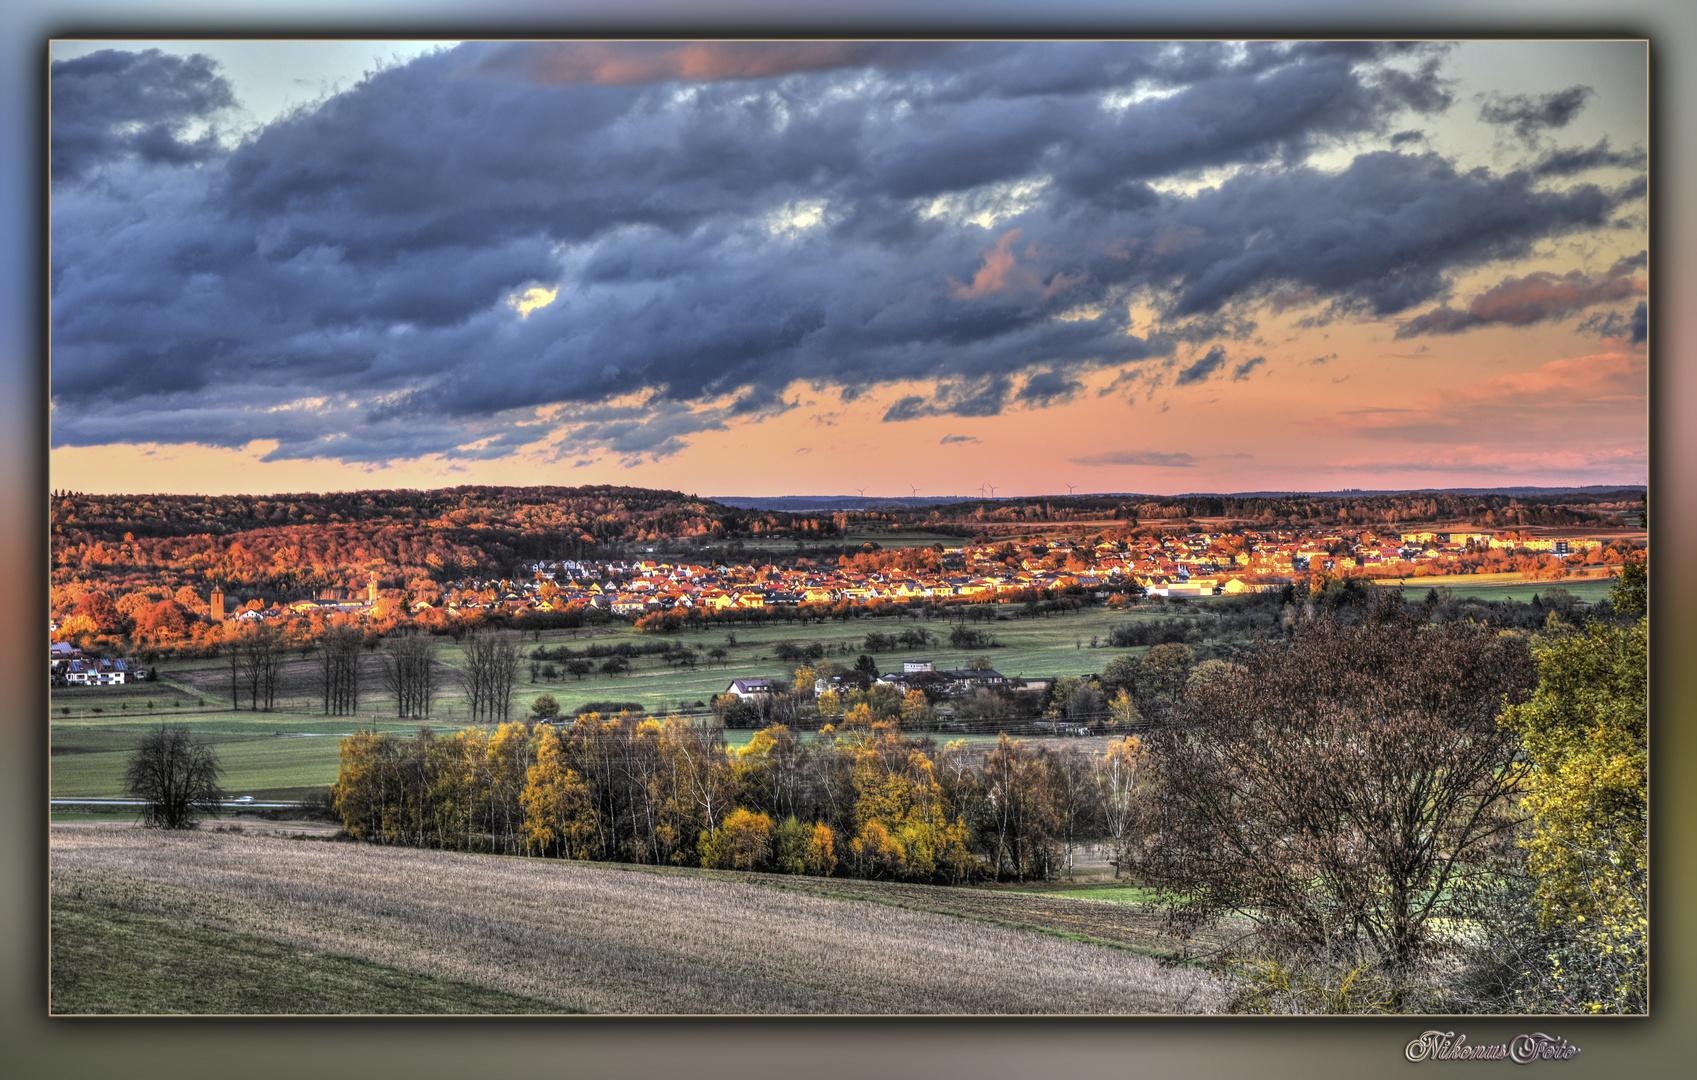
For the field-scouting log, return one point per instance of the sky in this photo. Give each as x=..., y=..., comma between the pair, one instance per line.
x=943, y=268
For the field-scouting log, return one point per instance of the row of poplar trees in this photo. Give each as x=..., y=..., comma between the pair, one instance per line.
x=408, y=671
x=857, y=799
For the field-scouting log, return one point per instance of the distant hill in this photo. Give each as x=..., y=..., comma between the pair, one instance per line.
x=801, y=504
x=1506, y=492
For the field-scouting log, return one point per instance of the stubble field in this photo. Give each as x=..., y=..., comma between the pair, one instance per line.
x=488, y=934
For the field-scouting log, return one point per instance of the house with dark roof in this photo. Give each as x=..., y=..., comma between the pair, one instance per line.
x=748, y=688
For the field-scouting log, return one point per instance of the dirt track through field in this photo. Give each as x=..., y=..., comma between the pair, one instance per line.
x=607, y=940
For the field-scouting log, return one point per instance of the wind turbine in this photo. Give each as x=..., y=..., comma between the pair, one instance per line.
x=980, y=491
x=1071, y=488
x=914, y=489
x=992, y=491
x=862, y=492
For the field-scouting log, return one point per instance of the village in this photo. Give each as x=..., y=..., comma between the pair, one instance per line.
x=1193, y=562
x=1197, y=564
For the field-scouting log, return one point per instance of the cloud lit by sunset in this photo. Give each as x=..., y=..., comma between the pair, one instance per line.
x=762, y=268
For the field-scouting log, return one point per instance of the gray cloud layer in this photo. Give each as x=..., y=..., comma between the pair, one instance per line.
x=111, y=105
x=1528, y=116
x=720, y=222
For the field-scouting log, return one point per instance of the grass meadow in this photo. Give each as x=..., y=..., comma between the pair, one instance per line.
x=275, y=925
x=292, y=750
x=1508, y=587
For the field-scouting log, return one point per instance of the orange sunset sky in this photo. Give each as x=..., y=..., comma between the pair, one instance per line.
x=817, y=268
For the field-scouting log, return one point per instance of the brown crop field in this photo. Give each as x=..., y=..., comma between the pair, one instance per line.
x=576, y=937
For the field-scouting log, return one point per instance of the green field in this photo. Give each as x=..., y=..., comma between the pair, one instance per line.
x=90, y=762
x=1119, y=894
x=901, y=538
x=287, y=752
x=1589, y=591
x=1056, y=645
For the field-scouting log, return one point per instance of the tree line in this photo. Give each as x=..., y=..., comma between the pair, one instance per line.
x=859, y=799
x=408, y=672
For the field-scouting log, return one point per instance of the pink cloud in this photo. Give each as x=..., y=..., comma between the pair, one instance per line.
x=1002, y=272
x=627, y=63
x=1597, y=400
x=1483, y=460
x=1526, y=300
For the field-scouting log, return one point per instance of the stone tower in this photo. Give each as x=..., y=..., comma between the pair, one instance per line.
x=216, y=604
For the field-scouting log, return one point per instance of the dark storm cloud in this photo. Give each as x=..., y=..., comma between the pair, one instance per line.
x=1527, y=116
x=1380, y=235
x=1630, y=263
x=1536, y=297
x=1240, y=373
x=1633, y=327
x=1045, y=388
x=1566, y=162
x=1199, y=371
x=700, y=228
x=970, y=397
x=111, y=105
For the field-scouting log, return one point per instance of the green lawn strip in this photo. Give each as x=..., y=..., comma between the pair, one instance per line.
x=106, y=960
x=1118, y=894
x=1465, y=586
x=252, y=764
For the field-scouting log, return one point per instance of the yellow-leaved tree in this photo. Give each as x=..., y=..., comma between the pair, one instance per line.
x=743, y=841
x=1585, y=730
x=904, y=828
x=1116, y=785
x=559, y=816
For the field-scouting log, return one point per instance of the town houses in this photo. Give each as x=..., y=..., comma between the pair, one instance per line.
x=1171, y=564
x=1113, y=566
x=93, y=672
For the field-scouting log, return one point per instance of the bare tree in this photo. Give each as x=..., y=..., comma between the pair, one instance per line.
x=259, y=656
x=176, y=775
x=409, y=674
x=338, y=664
x=233, y=652
x=1020, y=818
x=491, y=668
x=1345, y=787
x=1073, y=794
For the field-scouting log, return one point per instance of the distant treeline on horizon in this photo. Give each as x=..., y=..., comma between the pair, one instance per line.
x=802, y=503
